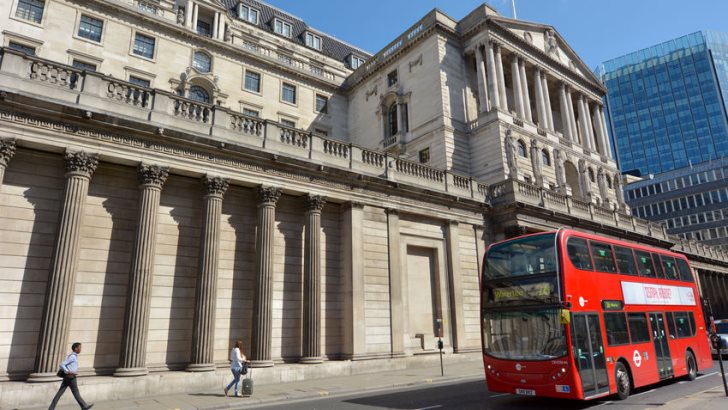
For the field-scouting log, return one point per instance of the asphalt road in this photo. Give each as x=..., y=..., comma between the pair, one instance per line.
x=474, y=395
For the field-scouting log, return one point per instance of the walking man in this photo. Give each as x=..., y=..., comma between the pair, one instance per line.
x=68, y=370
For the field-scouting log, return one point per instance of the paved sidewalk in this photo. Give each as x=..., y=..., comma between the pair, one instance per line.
x=270, y=393
x=713, y=398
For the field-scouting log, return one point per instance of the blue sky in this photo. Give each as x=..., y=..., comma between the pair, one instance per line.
x=596, y=30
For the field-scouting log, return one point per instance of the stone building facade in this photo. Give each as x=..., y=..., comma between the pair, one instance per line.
x=180, y=175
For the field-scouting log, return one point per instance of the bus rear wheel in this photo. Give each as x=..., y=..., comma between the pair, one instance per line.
x=624, y=381
x=692, y=366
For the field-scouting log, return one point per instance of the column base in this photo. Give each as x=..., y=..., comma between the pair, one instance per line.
x=201, y=367
x=43, y=378
x=131, y=372
x=261, y=363
x=311, y=360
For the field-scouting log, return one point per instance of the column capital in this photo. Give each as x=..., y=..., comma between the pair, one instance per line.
x=215, y=186
x=268, y=195
x=81, y=163
x=152, y=174
x=315, y=203
x=7, y=150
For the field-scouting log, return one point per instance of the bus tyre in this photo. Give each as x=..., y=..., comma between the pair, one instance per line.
x=691, y=365
x=624, y=382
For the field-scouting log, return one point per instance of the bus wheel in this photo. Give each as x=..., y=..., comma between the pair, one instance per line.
x=691, y=365
x=624, y=383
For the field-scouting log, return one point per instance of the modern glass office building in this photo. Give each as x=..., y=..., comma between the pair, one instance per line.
x=666, y=104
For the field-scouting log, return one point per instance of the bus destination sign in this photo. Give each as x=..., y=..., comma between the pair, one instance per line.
x=612, y=305
x=534, y=290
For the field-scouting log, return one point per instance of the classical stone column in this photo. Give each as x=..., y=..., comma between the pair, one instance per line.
x=517, y=90
x=599, y=131
x=203, y=328
x=263, y=309
x=565, y=118
x=195, y=14
x=524, y=89
x=312, y=282
x=7, y=151
x=482, y=81
x=605, y=134
x=495, y=100
x=572, y=116
x=547, y=101
x=215, y=25
x=501, y=78
x=56, y=320
x=583, y=125
x=596, y=145
x=540, y=103
x=136, y=318
x=189, y=10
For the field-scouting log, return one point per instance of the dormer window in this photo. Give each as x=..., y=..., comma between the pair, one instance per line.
x=313, y=41
x=355, y=62
x=248, y=14
x=282, y=28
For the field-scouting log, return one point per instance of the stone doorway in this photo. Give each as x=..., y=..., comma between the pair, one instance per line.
x=425, y=301
x=572, y=179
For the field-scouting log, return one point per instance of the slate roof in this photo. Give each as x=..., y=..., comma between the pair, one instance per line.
x=330, y=46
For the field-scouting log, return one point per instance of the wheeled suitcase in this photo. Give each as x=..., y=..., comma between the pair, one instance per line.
x=248, y=383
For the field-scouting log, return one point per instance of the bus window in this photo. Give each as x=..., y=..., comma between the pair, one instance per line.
x=682, y=322
x=578, y=252
x=616, y=325
x=684, y=269
x=644, y=263
x=658, y=267
x=638, y=328
x=603, y=257
x=691, y=318
x=625, y=260
x=671, y=325
x=670, y=268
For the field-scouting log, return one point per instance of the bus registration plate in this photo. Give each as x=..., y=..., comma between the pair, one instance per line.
x=526, y=392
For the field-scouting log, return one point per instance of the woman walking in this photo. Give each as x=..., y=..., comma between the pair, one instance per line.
x=236, y=366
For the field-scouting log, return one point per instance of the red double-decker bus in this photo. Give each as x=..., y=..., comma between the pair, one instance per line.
x=572, y=315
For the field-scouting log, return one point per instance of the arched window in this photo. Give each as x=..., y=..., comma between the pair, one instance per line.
x=609, y=181
x=202, y=62
x=522, y=149
x=198, y=93
x=392, y=126
x=545, y=158
x=591, y=175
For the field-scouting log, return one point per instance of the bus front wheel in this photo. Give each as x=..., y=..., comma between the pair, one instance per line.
x=691, y=365
x=624, y=382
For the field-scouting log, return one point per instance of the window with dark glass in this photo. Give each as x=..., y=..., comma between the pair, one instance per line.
x=322, y=104
x=671, y=325
x=288, y=123
x=282, y=28
x=252, y=113
x=616, y=326
x=288, y=93
x=204, y=28
x=670, y=267
x=578, y=252
x=392, y=78
x=22, y=48
x=683, y=324
x=684, y=269
x=30, y=10
x=140, y=81
x=144, y=45
x=198, y=93
x=625, y=260
x=90, y=28
x=319, y=131
x=424, y=155
x=545, y=158
x=248, y=14
x=591, y=174
x=644, y=264
x=638, y=331
x=603, y=257
x=392, y=120
x=355, y=62
x=522, y=152
x=83, y=65
x=202, y=62
x=313, y=41
x=405, y=117
x=252, y=81
x=658, y=267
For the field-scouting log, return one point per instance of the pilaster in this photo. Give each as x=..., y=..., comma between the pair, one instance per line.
x=397, y=287
x=354, y=338
x=312, y=281
x=455, y=285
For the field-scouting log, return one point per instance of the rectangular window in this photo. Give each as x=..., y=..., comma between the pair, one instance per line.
x=424, y=155
x=625, y=260
x=578, y=251
x=321, y=132
x=684, y=324
x=616, y=326
x=392, y=78
x=90, y=28
x=313, y=41
x=288, y=93
x=251, y=113
x=144, y=45
x=248, y=14
x=252, y=81
x=140, y=81
x=684, y=269
x=204, y=28
x=282, y=28
x=638, y=328
x=288, y=123
x=322, y=104
x=84, y=66
x=658, y=267
x=22, y=48
x=30, y=10
x=603, y=257
x=644, y=264
x=356, y=62
x=670, y=325
x=670, y=267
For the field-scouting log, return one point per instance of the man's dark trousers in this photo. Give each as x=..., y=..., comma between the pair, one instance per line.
x=68, y=381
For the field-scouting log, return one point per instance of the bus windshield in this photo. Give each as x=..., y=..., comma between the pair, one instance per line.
x=530, y=255
x=524, y=335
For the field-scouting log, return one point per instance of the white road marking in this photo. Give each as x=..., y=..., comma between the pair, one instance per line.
x=705, y=375
x=500, y=395
x=644, y=392
x=431, y=407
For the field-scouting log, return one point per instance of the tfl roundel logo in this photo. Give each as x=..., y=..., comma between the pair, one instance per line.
x=637, y=358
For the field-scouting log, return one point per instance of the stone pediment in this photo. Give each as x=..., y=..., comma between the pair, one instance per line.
x=547, y=39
